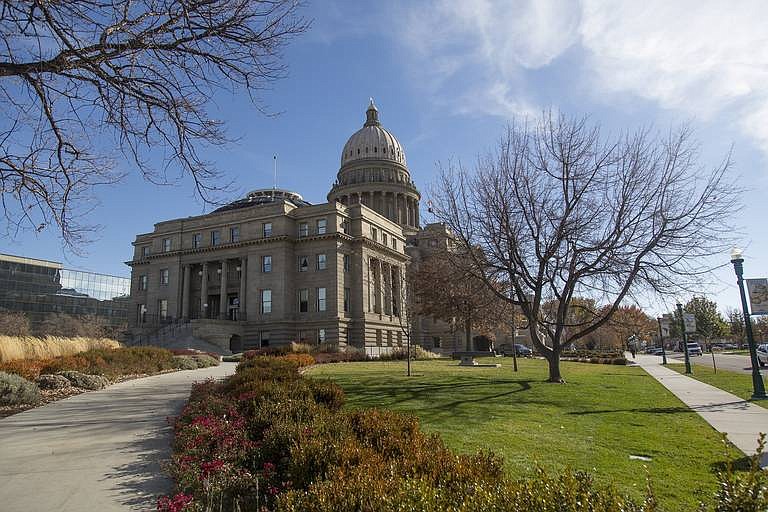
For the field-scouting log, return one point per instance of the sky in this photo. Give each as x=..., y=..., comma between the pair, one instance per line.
x=447, y=76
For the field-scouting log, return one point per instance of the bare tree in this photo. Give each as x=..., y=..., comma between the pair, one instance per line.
x=77, y=76
x=444, y=289
x=558, y=211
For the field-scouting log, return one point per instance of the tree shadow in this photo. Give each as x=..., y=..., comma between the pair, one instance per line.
x=649, y=410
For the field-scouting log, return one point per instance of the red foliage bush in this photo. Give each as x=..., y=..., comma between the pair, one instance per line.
x=27, y=368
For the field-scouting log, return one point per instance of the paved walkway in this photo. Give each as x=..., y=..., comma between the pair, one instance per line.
x=740, y=420
x=96, y=451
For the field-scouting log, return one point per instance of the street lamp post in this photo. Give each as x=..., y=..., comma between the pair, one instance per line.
x=757, y=378
x=661, y=339
x=685, y=338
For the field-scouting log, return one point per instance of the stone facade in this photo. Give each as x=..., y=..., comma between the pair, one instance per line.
x=273, y=272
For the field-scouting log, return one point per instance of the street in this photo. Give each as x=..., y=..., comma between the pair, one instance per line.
x=731, y=362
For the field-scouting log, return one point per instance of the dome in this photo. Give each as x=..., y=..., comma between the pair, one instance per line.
x=372, y=142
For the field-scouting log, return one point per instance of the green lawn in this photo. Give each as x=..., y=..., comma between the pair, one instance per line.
x=740, y=384
x=595, y=422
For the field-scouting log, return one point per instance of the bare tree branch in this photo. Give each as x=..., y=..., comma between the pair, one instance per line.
x=78, y=76
x=560, y=213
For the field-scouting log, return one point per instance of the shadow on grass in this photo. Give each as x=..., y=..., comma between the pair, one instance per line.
x=649, y=410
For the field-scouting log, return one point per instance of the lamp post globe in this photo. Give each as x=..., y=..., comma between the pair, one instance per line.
x=758, y=386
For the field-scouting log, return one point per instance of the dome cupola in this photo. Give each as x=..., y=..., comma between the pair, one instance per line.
x=374, y=173
x=372, y=142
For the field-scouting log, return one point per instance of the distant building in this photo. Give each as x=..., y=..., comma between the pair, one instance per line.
x=39, y=288
x=271, y=268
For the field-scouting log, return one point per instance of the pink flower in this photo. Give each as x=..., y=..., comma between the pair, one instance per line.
x=175, y=504
x=211, y=467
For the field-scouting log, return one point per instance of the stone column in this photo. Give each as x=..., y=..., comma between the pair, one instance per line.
x=387, y=282
x=243, y=288
x=223, y=292
x=185, y=293
x=408, y=212
x=380, y=290
x=416, y=207
x=204, y=291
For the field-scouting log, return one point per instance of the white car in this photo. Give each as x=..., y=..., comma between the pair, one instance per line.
x=762, y=354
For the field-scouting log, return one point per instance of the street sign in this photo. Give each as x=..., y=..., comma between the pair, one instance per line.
x=666, y=324
x=689, y=320
x=758, y=296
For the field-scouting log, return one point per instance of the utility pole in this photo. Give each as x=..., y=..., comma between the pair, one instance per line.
x=685, y=339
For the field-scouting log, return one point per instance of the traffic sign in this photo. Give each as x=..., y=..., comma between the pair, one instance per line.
x=689, y=320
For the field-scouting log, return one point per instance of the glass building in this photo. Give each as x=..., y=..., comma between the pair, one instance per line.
x=40, y=287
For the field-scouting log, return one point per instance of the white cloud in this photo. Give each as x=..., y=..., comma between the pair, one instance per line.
x=703, y=58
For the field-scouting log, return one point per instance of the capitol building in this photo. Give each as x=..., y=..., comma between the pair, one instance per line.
x=271, y=268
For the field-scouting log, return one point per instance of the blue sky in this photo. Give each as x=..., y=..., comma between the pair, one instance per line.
x=447, y=76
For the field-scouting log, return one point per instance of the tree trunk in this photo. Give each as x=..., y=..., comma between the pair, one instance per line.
x=468, y=329
x=553, y=359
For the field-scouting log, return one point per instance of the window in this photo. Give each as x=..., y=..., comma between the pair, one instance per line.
x=345, y=226
x=166, y=245
x=215, y=237
x=436, y=341
x=141, y=313
x=197, y=240
x=162, y=308
x=303, y=229
x=266, y=263
x=383, y=238
x=303, y=300
x=145, y=251
x=143, y=282
x=346, y=299
x=394, y=243
x=264, y=337
x=266, y=229
x=322, y=224
x=346, y=262
x=321, y=336
x=234, y=234
x=321, y=262
x=374, y=234
x=303, y=263
x=321, y=299
x=164, y=276
x=266, y=301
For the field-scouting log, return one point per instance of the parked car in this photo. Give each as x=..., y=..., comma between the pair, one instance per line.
x=694, y=349
x=762, y=354
x=522, y=351
x=654, y=351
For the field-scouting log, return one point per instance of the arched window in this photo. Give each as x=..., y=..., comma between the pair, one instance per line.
x=375, y=149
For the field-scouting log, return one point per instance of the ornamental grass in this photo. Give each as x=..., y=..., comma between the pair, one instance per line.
x=13, y=348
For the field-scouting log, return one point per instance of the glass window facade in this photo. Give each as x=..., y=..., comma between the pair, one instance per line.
x=39, y=288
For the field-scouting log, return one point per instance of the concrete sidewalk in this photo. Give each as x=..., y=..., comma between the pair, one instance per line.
x=740, y=420
x=96, y=451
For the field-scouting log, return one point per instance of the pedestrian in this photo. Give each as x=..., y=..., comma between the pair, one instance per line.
x=632, y=350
